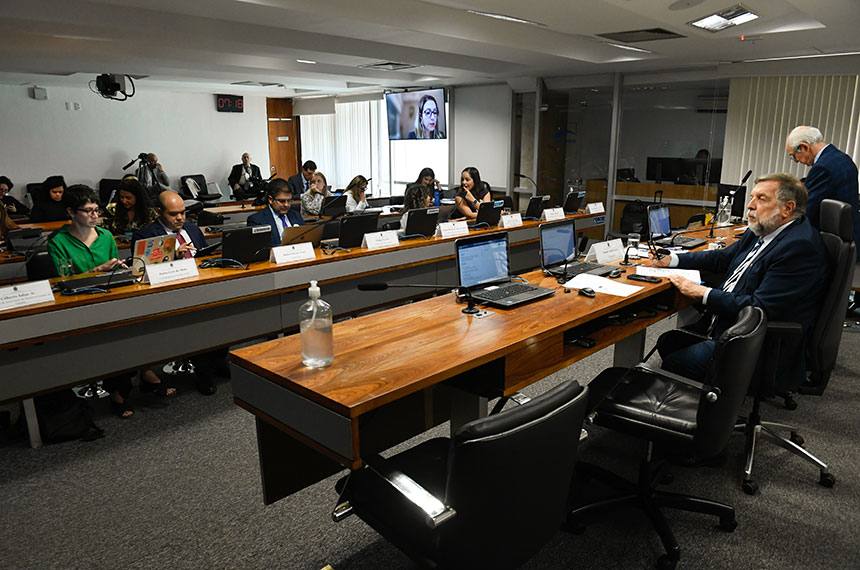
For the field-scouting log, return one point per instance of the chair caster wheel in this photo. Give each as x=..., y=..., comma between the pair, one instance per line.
x=796, y=438
x=827, y=480
x=729, y=525
x=750, y=487
x=666, y=562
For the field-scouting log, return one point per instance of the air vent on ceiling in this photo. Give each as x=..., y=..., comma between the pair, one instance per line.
x=257, y=84
x=388, y=66
x=641, y=35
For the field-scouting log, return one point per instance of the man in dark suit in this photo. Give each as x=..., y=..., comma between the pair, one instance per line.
x=301, y=181
x=833, y=173
x=779, y=264
x=189, y=238
x=278, y=215
x=244, y=178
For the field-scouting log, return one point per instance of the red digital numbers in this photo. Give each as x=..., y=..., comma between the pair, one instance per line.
x=230, y=103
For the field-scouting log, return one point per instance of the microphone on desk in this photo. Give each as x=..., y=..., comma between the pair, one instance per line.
x=530, y=179
x=380, y=286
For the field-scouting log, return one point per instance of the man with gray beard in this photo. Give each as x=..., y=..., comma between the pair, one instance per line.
x=778, y=264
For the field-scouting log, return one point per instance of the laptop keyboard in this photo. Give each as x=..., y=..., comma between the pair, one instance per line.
x=574, y=269
x=506, y=291
x=681, y=241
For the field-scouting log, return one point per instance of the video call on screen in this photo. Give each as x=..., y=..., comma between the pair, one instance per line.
x=483, y=262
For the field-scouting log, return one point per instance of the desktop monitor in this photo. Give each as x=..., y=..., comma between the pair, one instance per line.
x=698, y=171
x=415, y=115
x=663, y=169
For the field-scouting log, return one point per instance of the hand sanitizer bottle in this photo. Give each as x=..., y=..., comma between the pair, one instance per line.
x=315, y=328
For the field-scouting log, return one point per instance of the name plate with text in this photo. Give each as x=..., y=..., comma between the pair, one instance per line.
x=512, y=220
x=453, y=229
x=553, y=214
x=160, y=273
x=292, y=252
x=608, y=250
x=380, y=240
x=25, y=294
x=595, y=208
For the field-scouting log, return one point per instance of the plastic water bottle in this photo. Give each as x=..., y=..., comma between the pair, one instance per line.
x=724, y=212
x=315, y=328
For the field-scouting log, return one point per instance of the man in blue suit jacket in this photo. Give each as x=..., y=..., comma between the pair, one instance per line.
x=779, y=264
x=299, y=182
x=278, y=215
x=833, y=173
x=171, y=219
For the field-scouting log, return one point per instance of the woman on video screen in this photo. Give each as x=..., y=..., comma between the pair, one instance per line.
x=426, y=121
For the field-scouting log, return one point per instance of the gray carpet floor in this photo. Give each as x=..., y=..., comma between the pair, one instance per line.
x=178, y=487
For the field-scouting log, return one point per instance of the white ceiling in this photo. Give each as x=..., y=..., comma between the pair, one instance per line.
x=206, y=45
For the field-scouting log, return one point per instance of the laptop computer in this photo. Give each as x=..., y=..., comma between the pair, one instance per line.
x=660, y=230
x=489, y=214
x=558, y=252
x=152, y=250
x=483, y=267
x=247, y=245
x=333, y=206
x=353, y=228
x=573, y=201
x=312, y=233
x=535, y=207
x=421, y=222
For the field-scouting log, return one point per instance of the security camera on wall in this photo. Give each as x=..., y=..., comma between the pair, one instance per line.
x=112, y=86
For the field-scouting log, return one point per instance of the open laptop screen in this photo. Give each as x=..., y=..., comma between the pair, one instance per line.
x=658, y=220
x=482, y=261
x=557, y=242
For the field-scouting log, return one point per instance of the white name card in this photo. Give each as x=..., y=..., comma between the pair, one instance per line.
x=595, y=208
x=552, y=214
x=453, y=229
x=159, y=273
x=379, y=240
x=25, y=294
x=512, y=220
x=292, y=252
x=608, y=250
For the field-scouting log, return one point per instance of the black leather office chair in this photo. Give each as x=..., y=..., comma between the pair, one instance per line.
x=822, y=345
x=34, y=192
x=107, y=187
x=489, y=497
x=193, y=186
x=677, y=417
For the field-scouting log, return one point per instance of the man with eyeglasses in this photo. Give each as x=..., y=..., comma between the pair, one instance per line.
x=833, y=173
x=87, y=246
x=278, y=215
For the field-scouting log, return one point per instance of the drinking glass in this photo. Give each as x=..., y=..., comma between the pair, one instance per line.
x=633, y=244
x=65, y=267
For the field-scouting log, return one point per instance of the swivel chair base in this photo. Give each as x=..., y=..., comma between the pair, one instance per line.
x=644, y=496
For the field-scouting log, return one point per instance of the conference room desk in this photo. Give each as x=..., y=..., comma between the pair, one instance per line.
x=78, y=338
x=398, y=372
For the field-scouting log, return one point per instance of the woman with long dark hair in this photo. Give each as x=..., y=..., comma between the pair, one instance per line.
x=130, y=210
x=471, y=193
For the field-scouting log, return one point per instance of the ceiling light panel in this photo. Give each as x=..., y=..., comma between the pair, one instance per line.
x=734, y=16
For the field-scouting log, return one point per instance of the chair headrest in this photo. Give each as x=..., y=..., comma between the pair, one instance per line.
x=836, y=218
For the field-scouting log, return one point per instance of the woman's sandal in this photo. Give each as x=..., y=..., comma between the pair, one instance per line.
x=157, y=388
x=122, y=409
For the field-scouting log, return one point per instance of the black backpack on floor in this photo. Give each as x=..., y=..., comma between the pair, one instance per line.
x=65, y=417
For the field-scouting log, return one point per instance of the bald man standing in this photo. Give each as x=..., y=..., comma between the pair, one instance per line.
x=833, y=173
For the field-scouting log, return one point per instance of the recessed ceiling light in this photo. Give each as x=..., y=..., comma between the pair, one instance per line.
x=631, y=48
x=810, y=56
x=734, y=16
x=306, y=61
x=505, y=18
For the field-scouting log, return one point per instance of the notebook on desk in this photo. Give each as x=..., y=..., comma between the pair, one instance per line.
x=661, y=231
x=558, y=252
x=483, y=267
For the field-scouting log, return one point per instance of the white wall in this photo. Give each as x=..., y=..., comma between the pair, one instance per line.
x=482, y=118
x=42, y=138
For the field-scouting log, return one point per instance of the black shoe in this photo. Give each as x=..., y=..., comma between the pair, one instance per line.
x=205, y=386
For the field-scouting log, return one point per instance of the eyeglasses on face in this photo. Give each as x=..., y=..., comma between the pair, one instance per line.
x=431, y=113
x=90, y=211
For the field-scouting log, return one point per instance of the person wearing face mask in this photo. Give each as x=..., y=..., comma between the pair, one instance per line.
x=244, y=177
x=779, y=264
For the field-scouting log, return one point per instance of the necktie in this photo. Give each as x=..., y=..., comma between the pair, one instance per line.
x=284, y=220
x=181, y=241
x=733, y=279
x=307, y=185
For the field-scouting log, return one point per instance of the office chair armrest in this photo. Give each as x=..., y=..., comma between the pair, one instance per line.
x=435, y=511
x=712, y=393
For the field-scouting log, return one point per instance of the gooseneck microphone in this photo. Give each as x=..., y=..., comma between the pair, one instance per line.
x=529, y=178
x=380, y=286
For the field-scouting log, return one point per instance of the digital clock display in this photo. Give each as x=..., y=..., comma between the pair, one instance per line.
x=229, y=103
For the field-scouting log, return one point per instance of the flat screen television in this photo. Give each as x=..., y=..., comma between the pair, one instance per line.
x=416, y=115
